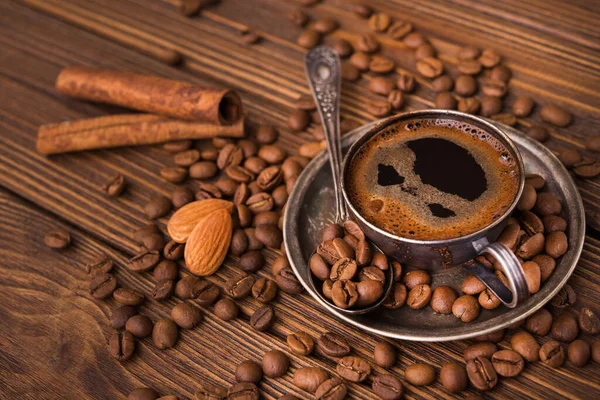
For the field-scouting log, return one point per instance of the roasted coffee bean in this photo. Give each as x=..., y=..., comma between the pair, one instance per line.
x=244, y=215
x=174, y=174
x=539, y=133
x=239, y=242
x=325, y=25
x=530, y=246
x=129, y=297
x=423, y=51
x=420, y=374
x=249, y=148
x=260, y=202
x=483, y=349
x=494, y=88
x=372, y=273
x=206, y=169
x=58, y=239
x=405, y=82
x=280, y=196
x=522, y=106
x=592, y=143
x=466, y=85
x=579, y=352
x=569, y=157
x=319, y=267
x=466, y=308
x=263, y=318
x=546, y=264
x=379, y=22
x=369, y=292
x=430, y=67
x=556, y=244
x=181, y=196
x=333, y=345
x=526, y=345
x=186, y=315
x=362, y=10
x=494, y=337
x=300, y=343
x=454, y=377
x=287, y=281
x=154, y=241
x=489, y=58
x=186, y=158
x=266, y=134
x=343, y=269
x=298, y=17
x=442, y=84
x=298, y=120
x=554, y=223
x=275, y=363
x=119, y=317
x=381, y=65
x=114, y=186
x=220, y=142
x=269, y=235
x=555, y=115
x=469, y=105
x=397, y=297
x=238, y=174
x=469, y=67
x=353, y=368
x=533, y=276
x=367, y=43
x=507, y=363
x=332, y=231
x=163, y=290
x=380, y=261
x=309, y=39
x=552, y=354
x=481, y=373
x=272, y=154
x=332, y=389
x=264, y=290
x=344, y=49
x=397, y=267
x=335, y=249
x=239, y=286
x=588, y=321
x=414, y=40
x=468, y=53
x=501, y=73
x=174, y=251
x=143, y=393
x=139, y=325
x=530, y=222
x=248, y=371
x=379, y=109
x=158, y=207
x=310, y=378
x=165, y=334
x=209, y=154
x=387, y=387
x=269, y=178
x=539, y=323
x=121, y=345
x=243, y=391
x=381, y=85
x=535, y=180
x=177, y=146
x=103, y=285
x=396, y=99
x=384, y=355
x=445, y=101
x=226, y=309
x=587, y=169
x=187, y=287
x=100, y=265
x=565, y=327
x=490, y=105
x=148, y=229
x=419, y=296
x=251, y=261
x=416, y=277
x=442, y=299
x=344, y=294
x=360, y=61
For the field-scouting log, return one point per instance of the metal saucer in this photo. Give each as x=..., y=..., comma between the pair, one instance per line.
x=311, y=206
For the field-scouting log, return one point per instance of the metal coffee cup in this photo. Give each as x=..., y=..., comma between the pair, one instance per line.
x=437, y=254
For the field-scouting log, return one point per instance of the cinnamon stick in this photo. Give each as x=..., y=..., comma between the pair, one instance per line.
x=126, y=130
x=151, y=94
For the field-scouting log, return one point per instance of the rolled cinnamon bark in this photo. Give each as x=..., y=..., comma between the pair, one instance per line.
x=126, y=130
x=151, y=94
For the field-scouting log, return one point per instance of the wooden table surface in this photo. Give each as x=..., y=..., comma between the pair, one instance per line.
x=53, y=334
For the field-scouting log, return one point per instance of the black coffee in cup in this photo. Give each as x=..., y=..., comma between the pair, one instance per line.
x=432, y=179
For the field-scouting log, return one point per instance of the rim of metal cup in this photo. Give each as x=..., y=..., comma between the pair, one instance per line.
x=488, y=127
x=355, y=311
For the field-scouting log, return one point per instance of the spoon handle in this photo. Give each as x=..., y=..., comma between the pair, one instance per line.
x=323, y=69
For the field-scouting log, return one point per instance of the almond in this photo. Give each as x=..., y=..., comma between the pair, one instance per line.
x=187, y=217
x=208, y=243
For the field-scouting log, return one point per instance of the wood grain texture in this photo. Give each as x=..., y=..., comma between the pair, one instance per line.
x=556, y=61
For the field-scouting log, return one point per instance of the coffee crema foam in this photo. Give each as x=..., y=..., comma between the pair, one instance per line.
x=432, y=179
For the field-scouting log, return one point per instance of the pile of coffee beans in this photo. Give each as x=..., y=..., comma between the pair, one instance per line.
x=352, y=275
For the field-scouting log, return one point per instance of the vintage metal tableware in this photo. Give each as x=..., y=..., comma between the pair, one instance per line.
x=324, y=76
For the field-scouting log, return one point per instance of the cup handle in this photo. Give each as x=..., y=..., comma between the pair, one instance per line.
x=517, y=290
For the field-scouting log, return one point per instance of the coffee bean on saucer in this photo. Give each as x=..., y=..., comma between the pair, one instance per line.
x=369, y=291
x=419, y=296
x=243, y=390
x=263, y=318
x=186, y=315
x=565, y=327
x=555, y=115
x=300, y=343
x=442, y=299
x=319, y=267
x=129, y=297
x=384, y=355
x=387, y=387
x=579, y=352
x=310, y=378
x=353, y=369
x=275, y=363
x=507, y=363
x=481, y=373
x=248, y=371
x=119, y=317
x=143, y=393
x=121, y=345
x=420, y=374
x=445, y=101
x=466, y=308
x=552, y=354
x=344, y=293
x=397, y=297
x=58, y=239
x=483, y=349
x=139, y=325
x=372, y=273
x=308, y=39
x=103, y=286
x=472, y=285
x=416, y=277
x=556, y=244
x=454, y=377
x=226, y=309
x=554, y=223
x=333, y=345
x=333, y=389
